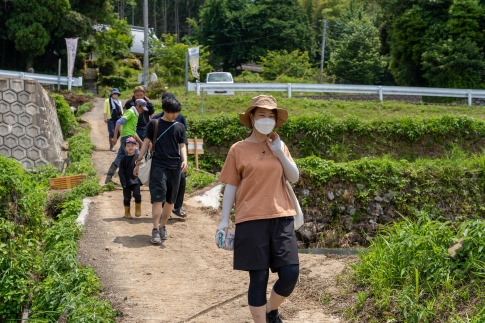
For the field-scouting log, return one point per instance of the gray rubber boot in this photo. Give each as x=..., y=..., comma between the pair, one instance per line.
x=110, y=144
x=111, y=172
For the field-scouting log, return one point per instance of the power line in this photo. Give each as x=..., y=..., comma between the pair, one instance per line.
x=249, y=28
x=242, y=41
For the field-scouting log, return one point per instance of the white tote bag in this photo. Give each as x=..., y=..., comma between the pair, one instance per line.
x=144, y=168
x=294, y=201
x=146, y=165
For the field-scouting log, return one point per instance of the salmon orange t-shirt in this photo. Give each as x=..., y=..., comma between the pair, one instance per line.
x=260, y=192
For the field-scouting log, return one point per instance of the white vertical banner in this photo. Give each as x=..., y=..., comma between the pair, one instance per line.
x=194, y=61
x=71, y=44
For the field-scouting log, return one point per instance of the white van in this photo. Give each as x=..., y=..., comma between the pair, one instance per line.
x=219, y=77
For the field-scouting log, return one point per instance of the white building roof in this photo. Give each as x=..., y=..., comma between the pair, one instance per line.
x=138, y=37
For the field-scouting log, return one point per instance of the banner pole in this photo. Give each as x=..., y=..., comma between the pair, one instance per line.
x=186, y=73
x=59, y=77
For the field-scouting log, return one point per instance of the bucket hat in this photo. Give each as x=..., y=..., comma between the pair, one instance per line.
x=265, y=102
x=115, y=91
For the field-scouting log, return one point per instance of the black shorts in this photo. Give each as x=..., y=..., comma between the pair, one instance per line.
x=164, y=184
x=263, y=244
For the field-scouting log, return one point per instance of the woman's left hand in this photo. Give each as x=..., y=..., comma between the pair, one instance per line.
x=274, y=142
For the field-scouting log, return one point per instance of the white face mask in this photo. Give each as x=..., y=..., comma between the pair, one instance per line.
x=264, y=125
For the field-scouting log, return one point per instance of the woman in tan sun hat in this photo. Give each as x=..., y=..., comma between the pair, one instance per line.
x=265, y=237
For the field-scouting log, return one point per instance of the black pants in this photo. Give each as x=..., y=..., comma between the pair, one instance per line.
x=181, y=191
x=127, y=193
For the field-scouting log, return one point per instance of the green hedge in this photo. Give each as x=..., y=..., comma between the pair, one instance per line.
x=38, y=254
x=346, y=197
x=114, y=81
x=66, y=116
x=348, y=139
x=79, y=154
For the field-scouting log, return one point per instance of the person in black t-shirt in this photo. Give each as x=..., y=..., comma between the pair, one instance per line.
x=177, y=208
x=129, y=182
x=168, y=162
x=144, y=118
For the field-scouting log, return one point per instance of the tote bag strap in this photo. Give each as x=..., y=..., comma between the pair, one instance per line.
x=155, y=135
x=173, y=124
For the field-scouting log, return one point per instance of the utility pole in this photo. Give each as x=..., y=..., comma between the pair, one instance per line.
x=323, y=49
x=154, y=17
x=145, y=43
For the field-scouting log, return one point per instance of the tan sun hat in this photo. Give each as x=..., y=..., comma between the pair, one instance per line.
x=139, y=88
x=265, y=102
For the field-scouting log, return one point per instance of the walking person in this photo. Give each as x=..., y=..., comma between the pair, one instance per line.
x=264, y=237
x=112, y=112
x=127, y=123
x=168, y=162
x=177, y=208
x=130, y=183
x=140, y=93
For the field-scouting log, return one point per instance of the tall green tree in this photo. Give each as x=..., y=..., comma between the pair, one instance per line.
x=435, y=43
x=278, y=63
x=355, y=58
x=29, y=24
x=113, y=41
x=244, y=30
x=411, y=35
x=455, y=63
x=458, y=61
x=169, y=60
x=32, y=33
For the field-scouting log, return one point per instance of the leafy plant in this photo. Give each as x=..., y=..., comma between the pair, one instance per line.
x=408, y=272
x=278, y=63
x=84, y=108
x=66, y=116
x=169, y=60
x=114, y=81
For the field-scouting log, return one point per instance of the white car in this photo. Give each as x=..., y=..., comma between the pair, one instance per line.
x=219, y=77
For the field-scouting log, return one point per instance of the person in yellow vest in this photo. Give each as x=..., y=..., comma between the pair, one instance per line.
x=112, y=113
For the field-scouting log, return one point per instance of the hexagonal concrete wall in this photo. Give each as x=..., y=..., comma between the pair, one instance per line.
x=29, y=128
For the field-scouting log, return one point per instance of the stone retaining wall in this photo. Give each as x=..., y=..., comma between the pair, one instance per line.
x=29, y=128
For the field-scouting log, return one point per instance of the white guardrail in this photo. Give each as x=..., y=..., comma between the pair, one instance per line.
x=44, y=78
x=339, y=88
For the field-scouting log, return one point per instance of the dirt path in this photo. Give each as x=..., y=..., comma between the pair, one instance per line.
x=186, y=278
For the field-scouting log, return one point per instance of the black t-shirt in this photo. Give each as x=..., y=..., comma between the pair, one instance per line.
x=167, y=149
x=180, y=118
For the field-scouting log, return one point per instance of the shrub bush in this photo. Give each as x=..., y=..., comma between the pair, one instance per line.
x=128, y=72
x=66, y=117
x=114, y=81
x=155, y=91
x=278, y=63
x=412, y=278
x=133, y=63
x=249, y=77
x=106, y=67
x=22, y=198
x=84, y=108
x=38, y=255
